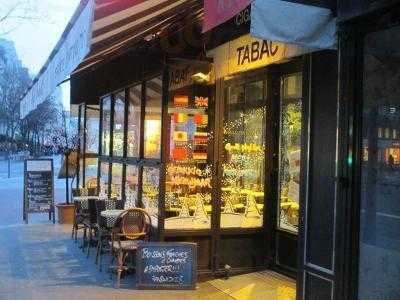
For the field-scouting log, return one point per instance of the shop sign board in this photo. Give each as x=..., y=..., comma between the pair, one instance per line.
x=217, y=12
x=247, y=53
x=166, y=265
x=180, y=77
x=38, y=187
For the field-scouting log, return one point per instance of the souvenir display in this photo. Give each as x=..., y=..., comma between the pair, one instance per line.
x=188, y=178
x=181, y=100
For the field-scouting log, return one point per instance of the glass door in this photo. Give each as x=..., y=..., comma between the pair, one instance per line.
x=288, y=100
x=379, y=216
x=244, y=172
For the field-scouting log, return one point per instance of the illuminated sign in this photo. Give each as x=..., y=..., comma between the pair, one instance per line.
x=248, y=53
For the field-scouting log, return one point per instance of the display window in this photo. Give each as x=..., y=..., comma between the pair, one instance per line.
x=116, y=181
x=91, y=165
x=290, y=152
x=118, y=124
x=131, y=186
x=134, y=116
x=104, y=176
x=92, y=129
x=150, y=192
x=189, y=168
x=243, y=156
x=106, y=126
x=152, y=120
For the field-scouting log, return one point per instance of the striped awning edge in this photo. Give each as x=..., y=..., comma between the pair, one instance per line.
x=120, y=24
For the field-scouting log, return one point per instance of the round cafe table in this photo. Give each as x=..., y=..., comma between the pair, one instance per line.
x=111, y=216
x=84, y=200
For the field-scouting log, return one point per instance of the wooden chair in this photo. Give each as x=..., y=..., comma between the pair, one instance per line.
x=134, y=226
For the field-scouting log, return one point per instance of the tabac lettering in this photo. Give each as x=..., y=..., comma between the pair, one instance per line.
x=255, y=51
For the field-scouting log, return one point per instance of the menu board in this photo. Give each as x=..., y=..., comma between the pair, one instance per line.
x=38, y=187
x=166, y=265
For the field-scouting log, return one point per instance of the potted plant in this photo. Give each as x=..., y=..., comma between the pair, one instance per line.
x=67, y=145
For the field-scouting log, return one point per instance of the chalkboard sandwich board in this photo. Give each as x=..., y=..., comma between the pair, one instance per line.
x=166, y=266
x=38, y=187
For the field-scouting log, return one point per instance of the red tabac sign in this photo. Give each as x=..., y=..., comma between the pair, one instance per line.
x=220, y=11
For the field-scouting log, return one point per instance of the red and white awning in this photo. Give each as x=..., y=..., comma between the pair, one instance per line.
x=120, y=24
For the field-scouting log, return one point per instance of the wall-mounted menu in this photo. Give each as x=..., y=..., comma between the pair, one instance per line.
x=166, y=266
x=38, y=187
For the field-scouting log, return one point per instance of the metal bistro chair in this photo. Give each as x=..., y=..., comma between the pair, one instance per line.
x=90, y=223
x=79, y=216
x=135, y=225
x=103, y=230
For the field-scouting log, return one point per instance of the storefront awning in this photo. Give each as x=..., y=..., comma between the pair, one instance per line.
x=70, y=50
x=101, y=29
x=119, y=25
x=293, y=23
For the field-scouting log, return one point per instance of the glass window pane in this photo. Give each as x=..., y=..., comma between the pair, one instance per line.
x=188, y=182
x=151, y=183
x=379, y=260
x=81, y=172
x=118, y=126
x=92, y=129
x=152, y=121
x=106, y=123
x=91, y=172
x=116, y=181
x=104, y=167
x=236, y=94
x=131, y=186
x=290, y=153
x=243, y=161
x=254, y=91
x=81, y=128
x=134, y=114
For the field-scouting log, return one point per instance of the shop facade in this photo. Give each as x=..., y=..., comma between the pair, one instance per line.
x=217, y=149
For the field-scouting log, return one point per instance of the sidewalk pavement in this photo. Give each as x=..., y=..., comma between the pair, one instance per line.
x=40, y=261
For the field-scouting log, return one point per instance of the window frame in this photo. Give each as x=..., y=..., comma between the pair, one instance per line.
x=126, y=160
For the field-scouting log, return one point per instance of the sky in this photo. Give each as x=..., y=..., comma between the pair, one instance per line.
x=35, y=39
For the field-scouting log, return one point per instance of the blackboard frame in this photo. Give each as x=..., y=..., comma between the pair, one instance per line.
x=26, y=211
x=139, y=267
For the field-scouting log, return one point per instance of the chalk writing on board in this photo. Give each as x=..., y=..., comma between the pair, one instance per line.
x=167, y=265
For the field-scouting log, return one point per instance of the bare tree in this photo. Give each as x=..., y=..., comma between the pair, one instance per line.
x=13, y=83
x=14, y=12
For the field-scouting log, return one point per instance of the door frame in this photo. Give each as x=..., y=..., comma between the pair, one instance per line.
x=272, y=75
x=262, y=74
x=278, y=72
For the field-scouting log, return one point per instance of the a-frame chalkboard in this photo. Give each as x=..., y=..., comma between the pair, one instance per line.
x=38, y=188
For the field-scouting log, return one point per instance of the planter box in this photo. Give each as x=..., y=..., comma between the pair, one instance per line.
x=66, y=213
